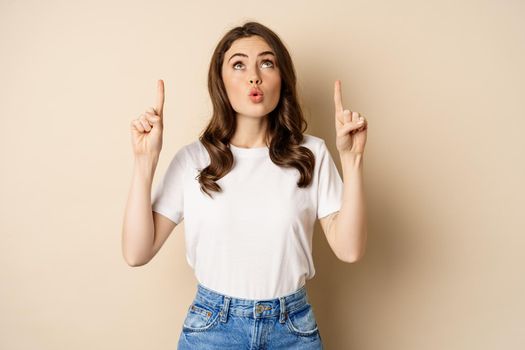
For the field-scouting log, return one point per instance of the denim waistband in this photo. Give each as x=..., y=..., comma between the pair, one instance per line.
x=253, y=308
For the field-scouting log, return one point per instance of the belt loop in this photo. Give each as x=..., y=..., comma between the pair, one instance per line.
x=224, y=310
x=283, y=310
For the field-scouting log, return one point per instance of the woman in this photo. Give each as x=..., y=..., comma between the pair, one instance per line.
x=249, y=189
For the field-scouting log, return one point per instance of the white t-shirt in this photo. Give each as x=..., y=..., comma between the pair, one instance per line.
x=253, y=240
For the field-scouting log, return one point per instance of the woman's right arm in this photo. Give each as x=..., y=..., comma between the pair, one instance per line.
x=144, y=231
x=138, y=231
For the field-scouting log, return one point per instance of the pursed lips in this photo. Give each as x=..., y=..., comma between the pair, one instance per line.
x=255, y=92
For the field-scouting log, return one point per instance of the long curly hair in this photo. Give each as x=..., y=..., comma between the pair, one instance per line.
x=286, y=122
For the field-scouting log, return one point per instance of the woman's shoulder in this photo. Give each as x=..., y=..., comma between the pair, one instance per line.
x=194, y=146
x=195, y=152
x=314, y=143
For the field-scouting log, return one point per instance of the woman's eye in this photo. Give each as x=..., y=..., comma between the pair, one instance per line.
x=268, y=62
x=265, y=61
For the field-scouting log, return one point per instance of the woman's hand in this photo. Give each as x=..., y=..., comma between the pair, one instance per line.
x=350, y=127
x=146, y=130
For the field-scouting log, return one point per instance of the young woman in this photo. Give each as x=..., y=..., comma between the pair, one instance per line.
x=249, y=189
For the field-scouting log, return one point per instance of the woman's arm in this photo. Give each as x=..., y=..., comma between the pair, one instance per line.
x=143, y=231
x=346, y=229
x=350, y=225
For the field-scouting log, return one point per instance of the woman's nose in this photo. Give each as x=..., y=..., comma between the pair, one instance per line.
x=255, y=81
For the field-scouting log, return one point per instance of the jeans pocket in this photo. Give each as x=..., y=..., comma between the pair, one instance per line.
x=302, y=322
x=200, y=317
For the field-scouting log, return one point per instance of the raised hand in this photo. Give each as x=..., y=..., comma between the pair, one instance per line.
x=146, y=130
x=350, y=127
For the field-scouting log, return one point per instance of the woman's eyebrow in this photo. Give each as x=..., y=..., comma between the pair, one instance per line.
x=245, y=55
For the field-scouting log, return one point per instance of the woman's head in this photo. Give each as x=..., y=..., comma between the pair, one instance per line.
x=230, y=78
x=230, y=84
x=250, y=63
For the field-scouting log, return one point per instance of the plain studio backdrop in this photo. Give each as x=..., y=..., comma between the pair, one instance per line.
x=440, y=82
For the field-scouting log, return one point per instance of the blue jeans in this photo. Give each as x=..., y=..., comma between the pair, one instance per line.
x=218, y=321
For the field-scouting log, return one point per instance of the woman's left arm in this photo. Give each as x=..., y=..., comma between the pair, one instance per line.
x=349, y=225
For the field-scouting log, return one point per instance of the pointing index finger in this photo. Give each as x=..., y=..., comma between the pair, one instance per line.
x=337, y=97
x=159, y=106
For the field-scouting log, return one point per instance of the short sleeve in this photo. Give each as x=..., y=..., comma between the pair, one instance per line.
x=330, y=184
x=168, y=196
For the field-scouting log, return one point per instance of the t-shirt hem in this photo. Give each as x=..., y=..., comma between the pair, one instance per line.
x=176, y=220
x=328, y=212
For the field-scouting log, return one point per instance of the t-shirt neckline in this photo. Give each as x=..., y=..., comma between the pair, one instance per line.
x=249, y=152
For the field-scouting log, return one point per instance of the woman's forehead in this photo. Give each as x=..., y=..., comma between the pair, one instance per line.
x=251, y=44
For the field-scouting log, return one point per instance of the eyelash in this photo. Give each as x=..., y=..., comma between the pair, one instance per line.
x=262, y=62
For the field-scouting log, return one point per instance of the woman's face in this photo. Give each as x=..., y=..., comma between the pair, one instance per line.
x=250, y=63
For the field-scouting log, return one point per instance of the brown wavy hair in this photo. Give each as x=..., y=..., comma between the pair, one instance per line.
x=286, y=122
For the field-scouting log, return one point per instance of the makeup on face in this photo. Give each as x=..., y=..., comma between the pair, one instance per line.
x=256, y=98
x=256, y=95
x=251, y=76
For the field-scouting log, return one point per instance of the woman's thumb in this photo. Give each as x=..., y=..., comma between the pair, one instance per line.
x=153, y=119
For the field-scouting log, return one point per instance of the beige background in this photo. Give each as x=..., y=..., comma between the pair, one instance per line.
x=442, y=86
